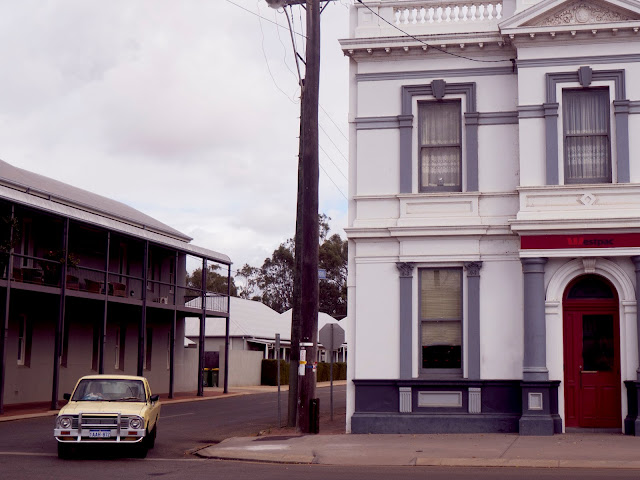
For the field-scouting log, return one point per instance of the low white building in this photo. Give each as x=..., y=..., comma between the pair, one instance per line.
x=494, y=216
x=253, y=327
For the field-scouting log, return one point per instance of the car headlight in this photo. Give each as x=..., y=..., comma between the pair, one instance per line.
x=135, y=423
x=64, y=422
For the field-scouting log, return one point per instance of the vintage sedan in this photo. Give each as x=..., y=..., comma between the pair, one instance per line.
x=108, y=409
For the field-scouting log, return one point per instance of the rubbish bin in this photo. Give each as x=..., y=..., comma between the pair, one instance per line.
x=314, y=415
x=214, y=377
x=207, y=377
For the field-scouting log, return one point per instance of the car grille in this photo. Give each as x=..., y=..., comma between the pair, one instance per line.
x=109, y=421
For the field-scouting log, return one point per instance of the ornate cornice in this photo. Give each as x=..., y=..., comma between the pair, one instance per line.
x=581, y=13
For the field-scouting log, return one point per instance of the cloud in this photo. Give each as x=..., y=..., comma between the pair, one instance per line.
x=185, y=110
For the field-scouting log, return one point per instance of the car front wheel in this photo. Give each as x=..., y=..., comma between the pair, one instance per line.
x=64, y=451
x=151, y=437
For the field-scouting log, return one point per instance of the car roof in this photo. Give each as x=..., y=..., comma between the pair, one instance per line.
x=111, y=377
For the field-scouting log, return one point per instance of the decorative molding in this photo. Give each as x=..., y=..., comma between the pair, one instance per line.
x=585, y=75
x=475, y=400
x=589, y=265
x=531, y=111
x=406, y=269
x=535, y=401
x=473, y=268
x=405, y=399
x=617, y=76
x=445, y=399
x=581, y=13
x=426, y=74
x=587, y=60
x=498, y=118
x=377, y=123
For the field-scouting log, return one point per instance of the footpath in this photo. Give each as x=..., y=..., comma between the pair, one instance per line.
x=334, y=447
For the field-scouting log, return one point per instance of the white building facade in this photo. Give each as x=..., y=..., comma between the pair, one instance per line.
x=494, y=216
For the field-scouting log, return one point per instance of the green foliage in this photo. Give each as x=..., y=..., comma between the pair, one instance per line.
x=339, y=371
x=272, y=284
x=215, y=282
x=269, y=374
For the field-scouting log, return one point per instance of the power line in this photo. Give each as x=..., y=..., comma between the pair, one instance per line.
x=337, y=148
x=260, y=16
x=334, y=183
x=425, y=43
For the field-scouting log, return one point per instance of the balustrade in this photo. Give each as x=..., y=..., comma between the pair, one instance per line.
x=422, y=13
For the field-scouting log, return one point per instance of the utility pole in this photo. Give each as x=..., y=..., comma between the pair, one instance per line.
x=304, y=331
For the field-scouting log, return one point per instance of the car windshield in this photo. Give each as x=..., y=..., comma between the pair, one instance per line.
x=110, y=390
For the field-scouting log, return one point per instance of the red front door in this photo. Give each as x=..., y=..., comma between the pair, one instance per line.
x=592, y=357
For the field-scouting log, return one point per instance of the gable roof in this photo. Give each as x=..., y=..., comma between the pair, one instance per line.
x=252, y=319
x=247, y=318
x=60, y=192
x=573, y=15
x=37, y=191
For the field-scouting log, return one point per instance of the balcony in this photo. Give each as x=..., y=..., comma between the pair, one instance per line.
x=387, y=18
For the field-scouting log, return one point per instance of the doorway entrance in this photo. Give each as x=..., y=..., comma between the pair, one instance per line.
x=591, y=354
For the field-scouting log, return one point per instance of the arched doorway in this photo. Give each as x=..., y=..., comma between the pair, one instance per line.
x=591, y=353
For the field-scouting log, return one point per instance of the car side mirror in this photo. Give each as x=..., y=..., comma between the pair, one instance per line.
x=154, y=398
x=66, y=396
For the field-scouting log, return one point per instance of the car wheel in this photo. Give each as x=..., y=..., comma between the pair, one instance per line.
x=141, y=449
x=151, y=438
x=64, y=451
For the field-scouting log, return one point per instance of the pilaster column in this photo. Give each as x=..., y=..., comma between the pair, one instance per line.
x=636, y=262
x=406, y=308
x=535, y=335
x=473, y=319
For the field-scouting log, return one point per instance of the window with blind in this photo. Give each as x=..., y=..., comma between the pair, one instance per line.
x=441, y=320
x=440, y=140
x=587, y=142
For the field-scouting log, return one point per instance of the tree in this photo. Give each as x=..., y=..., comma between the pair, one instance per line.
x=216, y=282
x=273, y=282
x=333, y=290
x=250, y=281
x=276, y=278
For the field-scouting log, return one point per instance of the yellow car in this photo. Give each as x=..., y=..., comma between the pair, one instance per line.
x=108, y=409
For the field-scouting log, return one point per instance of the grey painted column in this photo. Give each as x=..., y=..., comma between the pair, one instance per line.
x=471, y=128
x=621, y=112
x=636, y=262
x=535, y=335
x=473, y=319
x=406, y=324
x=406, y=157
x=551, y=140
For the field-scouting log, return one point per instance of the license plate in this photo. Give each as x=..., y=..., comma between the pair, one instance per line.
x=99, y=433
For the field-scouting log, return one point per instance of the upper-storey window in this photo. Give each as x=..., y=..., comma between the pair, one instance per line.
x=440, y=144
x=587, y=141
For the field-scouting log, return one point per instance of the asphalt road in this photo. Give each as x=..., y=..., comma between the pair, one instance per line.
x=28, y=451
x=183, y=428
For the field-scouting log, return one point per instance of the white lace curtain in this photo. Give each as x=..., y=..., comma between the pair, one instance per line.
x=440, y=139
x=586, y=133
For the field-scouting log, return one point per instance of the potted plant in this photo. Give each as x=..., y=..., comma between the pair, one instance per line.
x=51, y=265
x=7, y=241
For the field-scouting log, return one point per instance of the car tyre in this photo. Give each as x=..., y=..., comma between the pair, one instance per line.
x=151, y=438
x=141, y=450
x=64, y=451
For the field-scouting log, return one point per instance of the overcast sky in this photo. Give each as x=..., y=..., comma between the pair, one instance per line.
x=187, y=110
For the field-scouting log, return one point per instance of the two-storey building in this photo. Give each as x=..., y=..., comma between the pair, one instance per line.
x=494, y=216
x=91, y=285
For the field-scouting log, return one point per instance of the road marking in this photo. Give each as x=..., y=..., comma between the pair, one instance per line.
x=164, y=417
x=30, y=454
